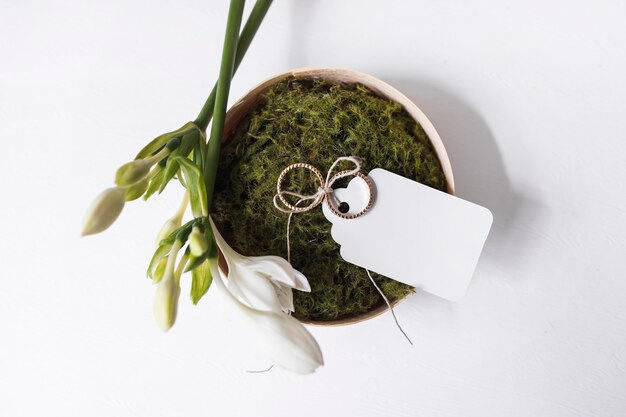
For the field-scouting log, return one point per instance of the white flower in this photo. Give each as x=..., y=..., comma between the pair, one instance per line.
x=284, y=339
x=262, y=282
x=104, y=211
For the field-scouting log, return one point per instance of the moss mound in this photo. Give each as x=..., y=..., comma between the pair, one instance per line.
x=315, y=121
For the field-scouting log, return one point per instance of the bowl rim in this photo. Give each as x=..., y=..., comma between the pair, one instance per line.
x=242, y=106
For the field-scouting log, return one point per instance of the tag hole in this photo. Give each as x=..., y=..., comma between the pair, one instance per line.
x=343, y=207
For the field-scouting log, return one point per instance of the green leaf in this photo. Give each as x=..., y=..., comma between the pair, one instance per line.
x=195, y=185
x=169, y=172
x=201, y=280
x=196, y=262
x=159, y=271
x=164, y=248
x=199, y=152
x=187, y=144
x=135, y=191
x=183, y=232
x=155, y=184
x=160, y=141
x=180, y=233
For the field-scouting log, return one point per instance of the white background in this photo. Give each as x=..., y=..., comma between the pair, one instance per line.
x=529, y=98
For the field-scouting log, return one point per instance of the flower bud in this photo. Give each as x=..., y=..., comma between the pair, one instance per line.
x=166, y=301
x=132, y=172
x=167, y=229
x=173, y=143
x=137, y=190
x=198, y=244
x=104, y=211
x=160, y=270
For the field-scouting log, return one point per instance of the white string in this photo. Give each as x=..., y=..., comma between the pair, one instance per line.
x=288, y=234
x=324, y=191
x=262, y=371
x=388, y=305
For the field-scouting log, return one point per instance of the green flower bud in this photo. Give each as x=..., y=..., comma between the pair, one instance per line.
x=160, y=270
x=168, y=291
x=198, y=245
x=104, y=211
x=173, y=143
x=137, y=190
x=166, y=301
x=132, y=172
x=167, y=229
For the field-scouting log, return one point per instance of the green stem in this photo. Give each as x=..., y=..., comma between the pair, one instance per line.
x=221, y=96
x=245, y=38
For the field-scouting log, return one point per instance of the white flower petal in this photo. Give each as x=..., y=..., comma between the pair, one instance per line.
x=288, y=342
x=279, y=270
x=252, y=288
x=302, y=283
x=284, y=339
x=285, y=297
x=252, y=279
x=229, y=253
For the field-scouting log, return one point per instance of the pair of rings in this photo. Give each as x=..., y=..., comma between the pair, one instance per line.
x=324, y=191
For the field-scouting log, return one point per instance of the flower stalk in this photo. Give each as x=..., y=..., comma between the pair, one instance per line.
x=231, y=38
x=245, y=39
x=261, y=287
x=136, y=178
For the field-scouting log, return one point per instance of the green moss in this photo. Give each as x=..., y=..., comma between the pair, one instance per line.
x=315, y=121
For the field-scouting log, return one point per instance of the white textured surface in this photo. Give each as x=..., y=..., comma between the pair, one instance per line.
x=529, y=100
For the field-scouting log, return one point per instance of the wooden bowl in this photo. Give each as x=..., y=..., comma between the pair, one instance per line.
x=249, y=101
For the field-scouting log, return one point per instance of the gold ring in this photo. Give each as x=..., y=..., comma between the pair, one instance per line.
x=281, y=178
x=370, y=201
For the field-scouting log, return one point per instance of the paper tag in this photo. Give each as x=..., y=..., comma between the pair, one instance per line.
x=412, y=233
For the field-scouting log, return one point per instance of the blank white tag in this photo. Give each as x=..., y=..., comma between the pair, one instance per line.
x=412, y=233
